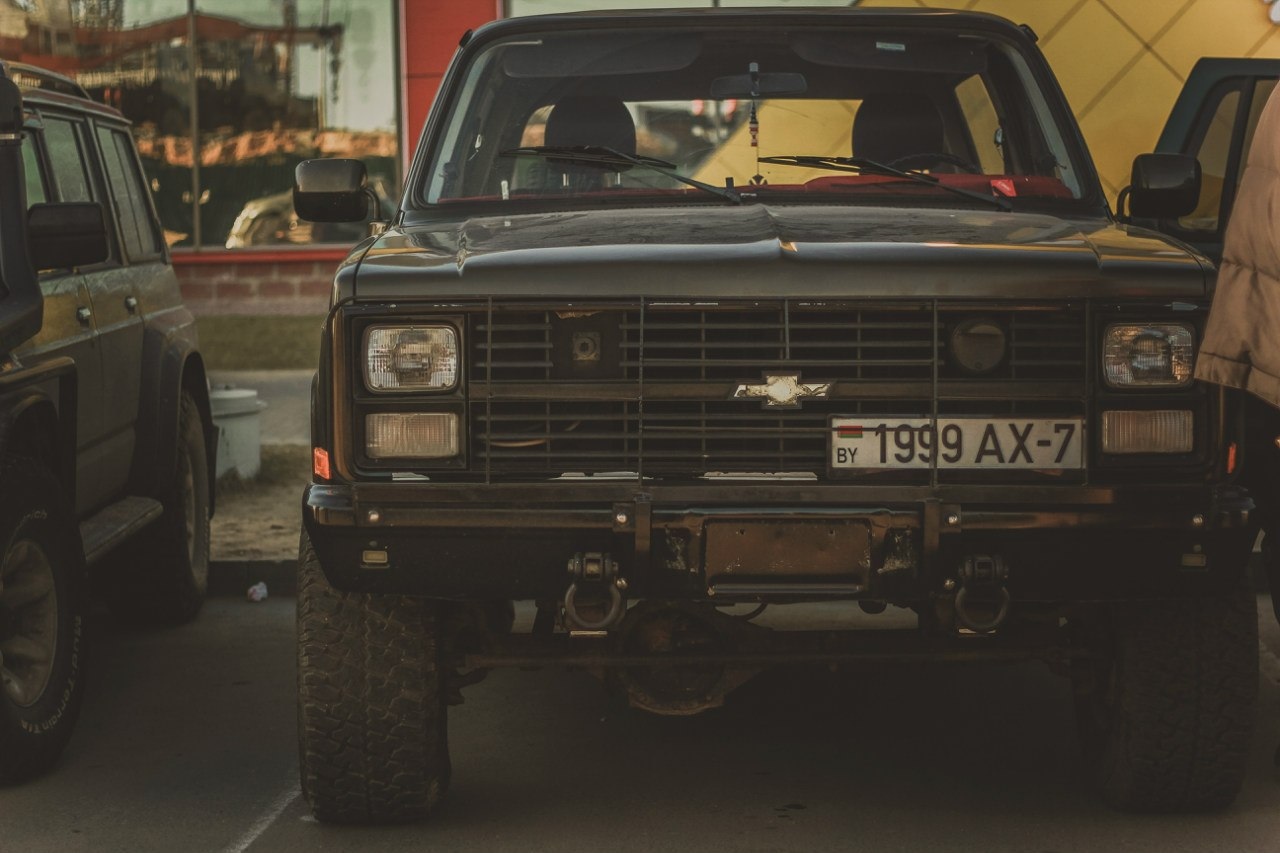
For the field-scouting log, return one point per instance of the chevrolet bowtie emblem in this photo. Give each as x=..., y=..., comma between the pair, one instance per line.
x=783, y=391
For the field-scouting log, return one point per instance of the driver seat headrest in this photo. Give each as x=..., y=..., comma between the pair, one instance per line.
x=890, y=126
x=591, y=120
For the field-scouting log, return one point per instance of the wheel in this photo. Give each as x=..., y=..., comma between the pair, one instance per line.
x=43, y=604
x=161, y=576
x=372, y=724
x=1166, y=707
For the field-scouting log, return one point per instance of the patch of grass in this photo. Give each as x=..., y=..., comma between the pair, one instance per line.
x=259, y=343
x=282, y=465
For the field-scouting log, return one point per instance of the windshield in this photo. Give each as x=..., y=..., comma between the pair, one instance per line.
x=610, y=117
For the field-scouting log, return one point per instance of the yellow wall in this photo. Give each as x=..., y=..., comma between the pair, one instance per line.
x=1123, y=62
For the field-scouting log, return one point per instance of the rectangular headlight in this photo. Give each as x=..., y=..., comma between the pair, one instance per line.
x=1149, y=355
x=411, y=435
x=1162, y=431
x=411, y=358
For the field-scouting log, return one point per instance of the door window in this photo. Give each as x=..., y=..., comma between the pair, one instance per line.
x=128, y=195
x=65, y=142
x=1261, y=91
x=1213, y=150
x=31, y=169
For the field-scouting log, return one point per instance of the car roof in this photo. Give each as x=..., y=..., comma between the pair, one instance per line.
x=41, y=87
x=887, y=15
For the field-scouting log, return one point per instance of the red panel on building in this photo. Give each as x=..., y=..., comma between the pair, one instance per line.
x=432, y=30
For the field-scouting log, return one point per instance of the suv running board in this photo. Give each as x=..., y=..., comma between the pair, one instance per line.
x=115, y=523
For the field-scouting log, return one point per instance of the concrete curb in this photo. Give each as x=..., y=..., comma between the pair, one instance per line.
x=233, y=577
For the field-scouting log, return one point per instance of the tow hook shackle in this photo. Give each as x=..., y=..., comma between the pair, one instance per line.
x=597, y=573
x=987, y=576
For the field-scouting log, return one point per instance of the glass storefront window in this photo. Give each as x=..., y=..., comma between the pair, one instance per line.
x=273, y=83
x=282, y=83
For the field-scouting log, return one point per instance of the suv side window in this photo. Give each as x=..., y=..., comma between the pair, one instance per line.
x=1261, y=92
x=128, y=195
x=1220, y=142
x=64, y=142
x=32, y=171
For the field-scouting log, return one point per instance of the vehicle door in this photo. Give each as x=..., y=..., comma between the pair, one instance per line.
x=55, y=171
x=1213, y=120
x=118, y=290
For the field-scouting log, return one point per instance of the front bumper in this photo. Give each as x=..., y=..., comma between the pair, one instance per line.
x=777, y=541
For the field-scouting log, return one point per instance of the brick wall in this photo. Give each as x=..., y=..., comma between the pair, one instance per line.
x=221, y=284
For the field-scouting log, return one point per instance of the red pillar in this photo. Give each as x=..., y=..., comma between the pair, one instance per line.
x=429, y=34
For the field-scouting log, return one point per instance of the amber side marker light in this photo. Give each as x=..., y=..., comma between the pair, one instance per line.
x=320, y=462
x=1231, y=458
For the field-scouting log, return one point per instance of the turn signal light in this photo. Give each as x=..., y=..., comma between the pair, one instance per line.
x=320, y=462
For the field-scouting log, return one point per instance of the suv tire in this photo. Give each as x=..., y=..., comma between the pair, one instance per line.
x=1166, y=709
x=43, y=605
x=372, y=721
x=163, y=574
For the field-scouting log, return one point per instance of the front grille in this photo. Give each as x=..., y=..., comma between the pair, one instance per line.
x=649, y=387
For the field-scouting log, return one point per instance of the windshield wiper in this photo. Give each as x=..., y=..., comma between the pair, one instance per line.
x=604, y=156
x=861, y=165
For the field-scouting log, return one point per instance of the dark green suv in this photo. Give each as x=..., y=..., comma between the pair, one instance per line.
x=106, y=442
x=686, y=315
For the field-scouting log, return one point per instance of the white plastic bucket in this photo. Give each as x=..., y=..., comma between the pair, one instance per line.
x=236, y=413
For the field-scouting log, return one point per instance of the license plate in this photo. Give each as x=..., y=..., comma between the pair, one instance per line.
x=908, y=443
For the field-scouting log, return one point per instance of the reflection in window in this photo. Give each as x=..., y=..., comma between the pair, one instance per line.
x=31, y=171
x=62, y=140
x=1261, y=94
x=126, y=195
x=274, y=83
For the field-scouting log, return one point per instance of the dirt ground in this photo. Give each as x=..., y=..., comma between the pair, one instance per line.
x=259, y=519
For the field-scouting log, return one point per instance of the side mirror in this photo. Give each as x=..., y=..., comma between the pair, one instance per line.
x=331, y=190
x=1164, y=186
x=65, y=235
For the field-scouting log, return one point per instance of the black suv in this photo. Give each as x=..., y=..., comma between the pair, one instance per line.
x=689, y=314
x=106, y=442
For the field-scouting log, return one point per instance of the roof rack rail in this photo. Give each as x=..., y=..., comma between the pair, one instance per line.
x=33, y=77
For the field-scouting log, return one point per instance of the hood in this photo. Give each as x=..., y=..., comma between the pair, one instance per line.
x=777, y=251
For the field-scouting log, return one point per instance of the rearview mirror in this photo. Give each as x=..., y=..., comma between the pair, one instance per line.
x=66, y=235
x=1164, y=186
x=331, y=190
x=758, y=84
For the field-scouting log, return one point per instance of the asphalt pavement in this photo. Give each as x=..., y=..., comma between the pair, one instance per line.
x=187, y=743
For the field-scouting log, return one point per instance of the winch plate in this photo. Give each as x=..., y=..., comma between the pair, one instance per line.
x=788, y=549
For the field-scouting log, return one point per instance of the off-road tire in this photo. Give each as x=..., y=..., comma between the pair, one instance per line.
x=40, y=556
x=372, y=724
x=161, y=576
x=1168, y=723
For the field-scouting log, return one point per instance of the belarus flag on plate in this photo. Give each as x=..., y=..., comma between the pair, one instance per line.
x=849, y=431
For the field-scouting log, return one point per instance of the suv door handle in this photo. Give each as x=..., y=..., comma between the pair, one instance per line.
x=131, y=302
x=83, y=314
